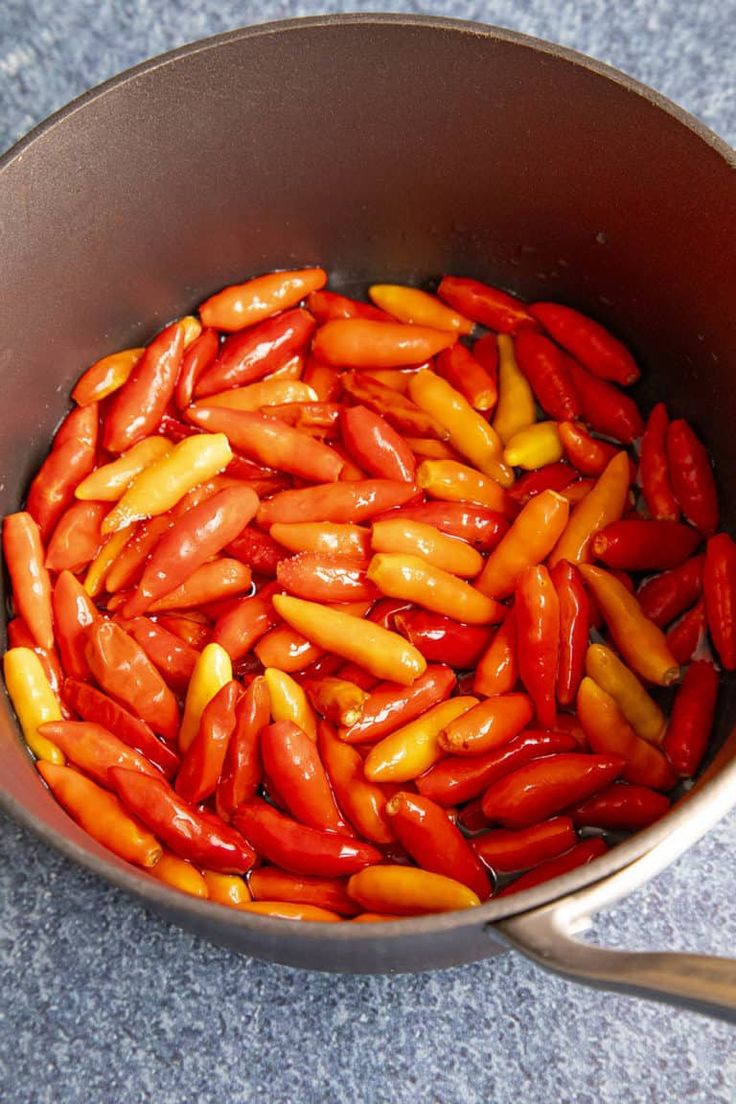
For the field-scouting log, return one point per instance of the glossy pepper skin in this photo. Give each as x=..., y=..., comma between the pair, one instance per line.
x=545, y=786
x=490, y=724
x=174, y=658
x=376, y=447
x=212, y=671
x=241, y=771
x=105, y=376
x=101, y=814
x=409, y=751
x=541, y=362
x=123, y=669
x=326, y=305
x=589, y=342
x=72, y=457
x=189, y=834
x=407, y=891
x=361, y=801
x=258, y=550
x=507, y=850
x=603, y=505
x=202, y=764
x=691, y=719
x=20, y=636
x=609, y=733
x=418, y=539
x=408, y=304
x=399, y=410
x=292, y=762
x=642, y=545
x=325, y=579
x=451, y=481
x=588, y=454
x=429, y=836
x=491, y=307
x=441, y=639
x=298, y=848
x=467, y=375
x=533, y=447
x=33, y=700
x=110, y=481
x=241, y=305
x=269, y=883
x=480, y=527
x=411, y=578
x=340, y=502
x=389, y=706
x=719, y=588
x=196, y=360
x=579, y=855
x=654, y=467
x=692, y=477
x=497, y=671
x=24, y=557
x=337, y=700
x=76, y=538
x=249, y=356
x=95, y=750
x=551, y=477
x=574, y=629
x=606, y=409
x=684, y=637
x=530, y=539
x=621, y=807
x=515, y=409
x=362, y=343
x=537, y=610
x=136, y=408
x=615, y=678
x=665, y=596
x=238, y=630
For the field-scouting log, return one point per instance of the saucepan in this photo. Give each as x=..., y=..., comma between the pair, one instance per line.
x=402, y=148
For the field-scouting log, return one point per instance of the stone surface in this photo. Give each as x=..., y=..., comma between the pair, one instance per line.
x=103, y=1002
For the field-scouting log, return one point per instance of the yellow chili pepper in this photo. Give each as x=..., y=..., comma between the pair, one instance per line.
x=418, y=539
x=106, y=375
x=408, y=891
x=470, y=433
x=227, y=889
x=191, y=329
x=408, y=304
x=534, y=446
x=108, y=483
x=529, y=540
x=402, y=576
x=163, y=483
x=451, y=481
x=602, y=505
x=211, y=671
x=268, y=392
x=33, y=700
x=516, y=408
x=642, y=644
x=97, y=571
x=613, y=676
x=182, y=875
x=289, y=702
x=415, y=747
x=383, y=653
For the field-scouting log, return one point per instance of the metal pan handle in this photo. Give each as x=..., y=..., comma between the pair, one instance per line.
x=547, y=935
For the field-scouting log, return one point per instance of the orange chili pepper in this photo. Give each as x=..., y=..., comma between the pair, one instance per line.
x=288, y=702
x=325, y=579
x=331, y=539
x=338, y=502
x=101, y=815
x=293, y=763
x=269, y=883
x=180, y=874
x=602, y=505
x=72, y=457
x=498, y=669
x=488, y=305
x=362, y=343
x=490, y=724
x=127, y=567
x=407, y=891
x=451, y=481
x=29, y=578
x=220, y=578
x=105, y=376
x=389, y=706
x=202, y=764
x=264, y=393
x=428, y=543
x=641, y=643
x=468, y=376
x=409, y=577
x=138, y=405
x=286, y=650
x=337, y=699
x=363, y=802
x=325, y=381
x=241, y=305
x=94, y=749
x=529, y=540
x=403, y=414
x=250, y=618
x=410, y=750
x=111, y=481
x=408, y=304
x=76, y=538
x=227, y=889
x=287, y=910
x=385, y=654
x=609, y=733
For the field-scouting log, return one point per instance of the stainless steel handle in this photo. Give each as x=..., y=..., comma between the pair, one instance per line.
x=546, y=935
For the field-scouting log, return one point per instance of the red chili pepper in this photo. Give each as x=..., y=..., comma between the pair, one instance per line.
x=574, y=629
x=589, y=342
x=403, y=414
x=201, y=766
x=29, y=578
x=384, y=611
x=621, y=807
x=258, y=550
x=363, y=802
x=256, y=351
x=95, y=750
x=375, y=446
x=639, y=545
x=193, y=539
x=189, y=834
x=654, y=467
x=323, y=379
x=719, y=588
x=537, y=611
x=325, y=579
x=606, y=409
x=20, y=636
x=580, y=855
x=196, y=361
x=427, y=833
x=173, y=657
x=506, y=850
x=241, y=772
x=292, y=761
x=490, y=306
x=497, y=671
x=300, y=849
x=390, y=706
x=326, y=305
x=477, y=525
x=692, y=477
x=457, y=779
x=664, y=597
x=123, y=669
x=72, y=457
x=544, y=367
x=691, y=720
x=545, y=786
x=92, y=705
x=552, y=477
x=686, y=634
x=589, y=455
x=317, y=416
x=268, y=883
x=340, y=502
x=241, y=628
x=136, y=409
x=127, y=568
x=442, y=640
x=76, y=538
x=190, y=627
x=609, y=733
x=468, y=376
x=74, y=612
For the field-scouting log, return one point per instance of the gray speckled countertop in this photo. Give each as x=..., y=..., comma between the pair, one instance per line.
x=102, y=1002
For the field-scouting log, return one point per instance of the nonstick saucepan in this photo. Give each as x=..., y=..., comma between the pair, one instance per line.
x=381, y=147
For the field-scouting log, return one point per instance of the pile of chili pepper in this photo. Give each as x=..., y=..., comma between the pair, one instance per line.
x=329, y=610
